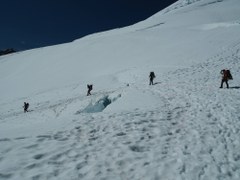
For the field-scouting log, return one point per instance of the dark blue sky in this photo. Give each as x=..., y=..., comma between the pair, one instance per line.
x=27, y=24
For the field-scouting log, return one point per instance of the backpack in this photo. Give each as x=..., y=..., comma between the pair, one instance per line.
x=229, y=75
x=26, y=105
x=90, y=86
x=152, y=75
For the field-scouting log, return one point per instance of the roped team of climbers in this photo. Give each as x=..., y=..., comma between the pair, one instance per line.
x=226, y=75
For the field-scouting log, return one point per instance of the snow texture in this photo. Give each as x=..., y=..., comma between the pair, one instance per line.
x=184, y=127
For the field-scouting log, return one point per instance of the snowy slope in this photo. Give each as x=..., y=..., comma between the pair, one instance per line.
x=183, y=127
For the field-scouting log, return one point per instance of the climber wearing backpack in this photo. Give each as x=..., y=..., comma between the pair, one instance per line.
x=226, y=75
x=90, y=87
x=26, y=106
x=151, y=77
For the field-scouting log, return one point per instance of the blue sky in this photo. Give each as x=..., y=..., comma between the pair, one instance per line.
x=27, y=24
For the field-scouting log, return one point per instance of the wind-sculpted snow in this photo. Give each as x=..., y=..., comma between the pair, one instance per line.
x=179, y=4
x=218, y=25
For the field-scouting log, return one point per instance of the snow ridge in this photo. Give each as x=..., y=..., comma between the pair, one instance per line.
x=179, y=4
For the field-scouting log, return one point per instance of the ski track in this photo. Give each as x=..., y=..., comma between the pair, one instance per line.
x=193, y=134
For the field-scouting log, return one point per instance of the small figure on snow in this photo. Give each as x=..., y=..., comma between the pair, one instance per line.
x=26, y=106
x=226, y=75
x=151, y=77
x=90, y=87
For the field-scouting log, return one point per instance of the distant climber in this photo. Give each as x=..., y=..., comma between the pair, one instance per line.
x=90, y=87
x=151, y=77
x=226, y=75
x=26, y=106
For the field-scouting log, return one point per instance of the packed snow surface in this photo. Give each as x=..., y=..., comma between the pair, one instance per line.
x=182, y=128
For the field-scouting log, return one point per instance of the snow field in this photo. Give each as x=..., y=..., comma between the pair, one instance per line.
x=192, y=133
x=182, y=128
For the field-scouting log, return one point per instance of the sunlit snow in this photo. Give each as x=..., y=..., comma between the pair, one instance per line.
x=182, y=128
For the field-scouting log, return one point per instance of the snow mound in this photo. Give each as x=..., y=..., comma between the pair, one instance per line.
x=99, y=105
